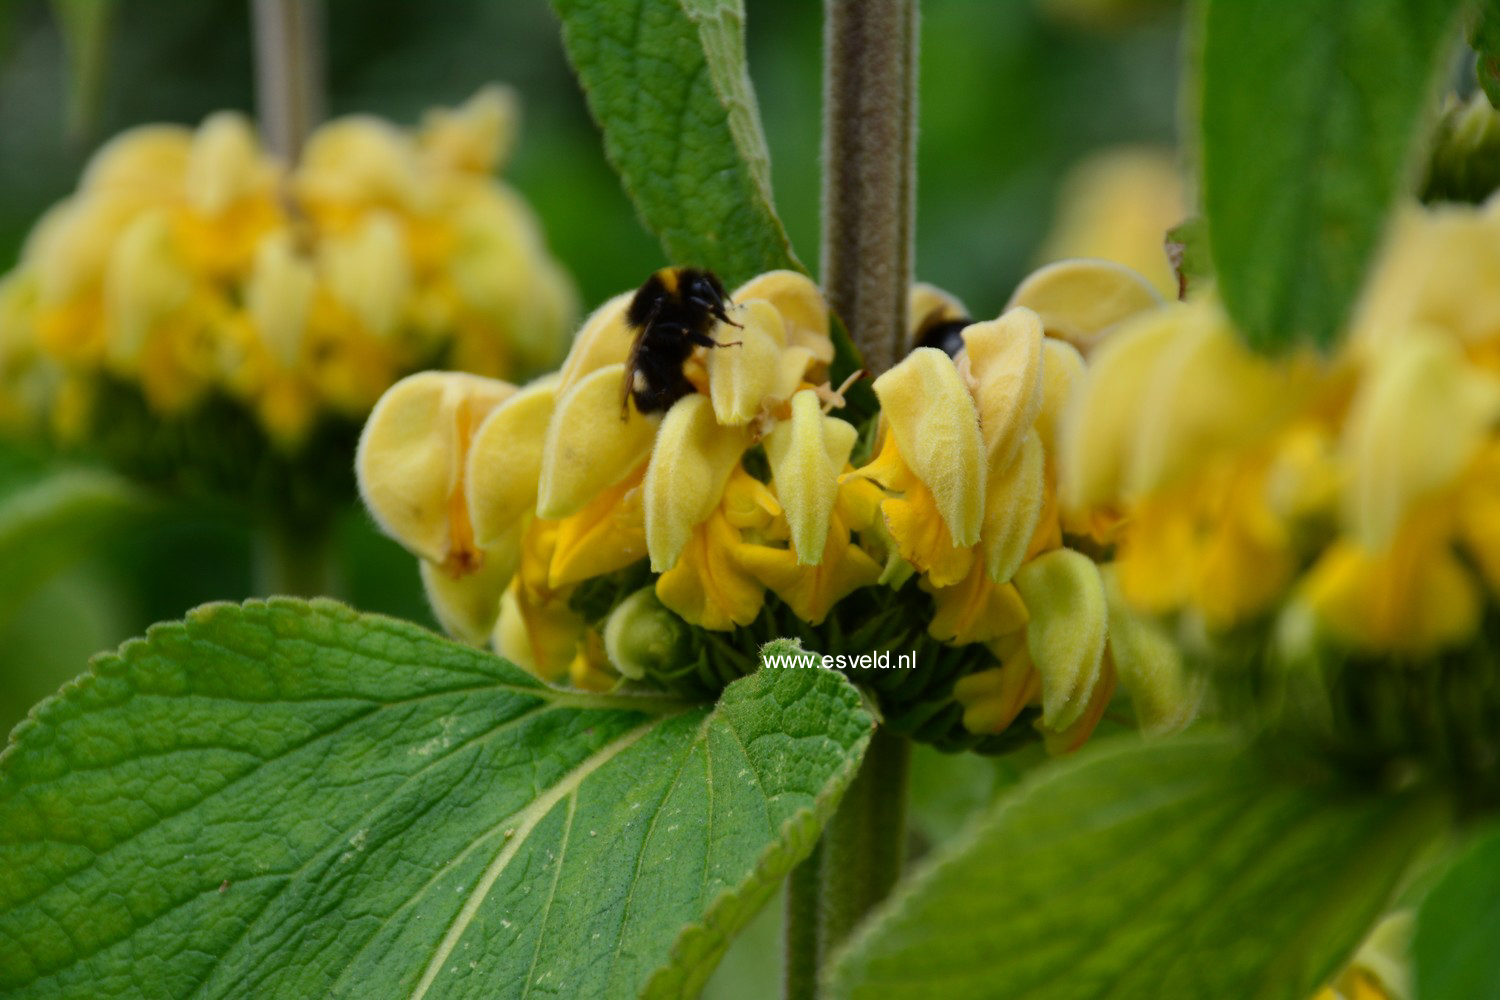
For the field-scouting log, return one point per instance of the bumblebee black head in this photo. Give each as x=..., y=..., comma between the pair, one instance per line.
x=944, y=334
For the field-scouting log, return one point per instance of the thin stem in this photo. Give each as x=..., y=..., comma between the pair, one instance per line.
x=803, y=895
x=869, y=106
x=288, y=72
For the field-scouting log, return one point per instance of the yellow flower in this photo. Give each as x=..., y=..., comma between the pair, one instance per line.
x=1118, y=206
x=192, y=264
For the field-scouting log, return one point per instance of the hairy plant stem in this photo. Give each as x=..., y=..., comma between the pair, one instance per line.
x=869, y=105
x=854, y=866
x=288, y=72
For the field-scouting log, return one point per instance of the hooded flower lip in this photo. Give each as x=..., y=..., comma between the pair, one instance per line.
x=190, y=263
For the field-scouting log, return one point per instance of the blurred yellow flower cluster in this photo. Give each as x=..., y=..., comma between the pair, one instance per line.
x=1353, y=499
x=517, y=499
x=191, y=263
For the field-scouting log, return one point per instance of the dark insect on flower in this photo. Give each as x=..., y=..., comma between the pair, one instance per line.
x=944, y=334
x=672, y=313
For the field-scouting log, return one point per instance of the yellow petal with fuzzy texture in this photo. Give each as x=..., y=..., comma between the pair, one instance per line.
x=975, y=610
x=1062, y=374
x=1071, y=737
x=607, y=535
x=541, y=637
x=505, y=460
x=412, y=458
x=1149, y=665
x=801, y=305
x=707, y=586
x=806, y=483
x=591, y=443
x=1004, y=358
x=604, y=340
x=1012, y=507
x=690, y=463
x=929, y=411
x=812, y=591
x=467, y=606
x=1416, y=424
x=992, y=698
x=1081, y=300
x=740, y=378
x=1069, y=623
x=1098, y=434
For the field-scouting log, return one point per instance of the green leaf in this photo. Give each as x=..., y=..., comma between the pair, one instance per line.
x=1454, y=948
x=48, y=522
x=1484, y=38
x=289, y=799
x=1173, y=869
x=1310, y=114
x=668, y=84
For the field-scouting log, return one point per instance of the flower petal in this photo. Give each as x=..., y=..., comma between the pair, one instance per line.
x=1004, y=358
x=591, y=444
x=467, y=606
x=801, y=305
x=707, y=586
x=605, y=339
x=505, y=460
x=929, y=410
x=1081, y=300
x=806, y=484
x=740, y=378
x=1069, y=622
x=691, y=462
x=1012, y=507
x=1149, y=665
x=1417, y=423
x=412, y=456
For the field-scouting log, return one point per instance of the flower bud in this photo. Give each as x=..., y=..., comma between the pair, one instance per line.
x=1065, y=637
x=643, y=638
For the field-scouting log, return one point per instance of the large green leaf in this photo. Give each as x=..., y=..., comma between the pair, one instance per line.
x=1454, y=949
x=1309, y=114
x=288, y=799
x=51, y=520
x=667, y=82
x=1177, y=869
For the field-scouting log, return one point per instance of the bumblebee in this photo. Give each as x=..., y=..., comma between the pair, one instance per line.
x=944, y=334
x=672, y=313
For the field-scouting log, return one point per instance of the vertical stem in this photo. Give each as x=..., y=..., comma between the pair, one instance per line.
x=288, y=72
x=855, y=865
x=869, y=106
x=869, y=172
x=864, y=845
x=800, y=928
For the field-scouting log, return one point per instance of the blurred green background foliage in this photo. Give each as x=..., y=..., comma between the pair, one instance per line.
x=1012, y=94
